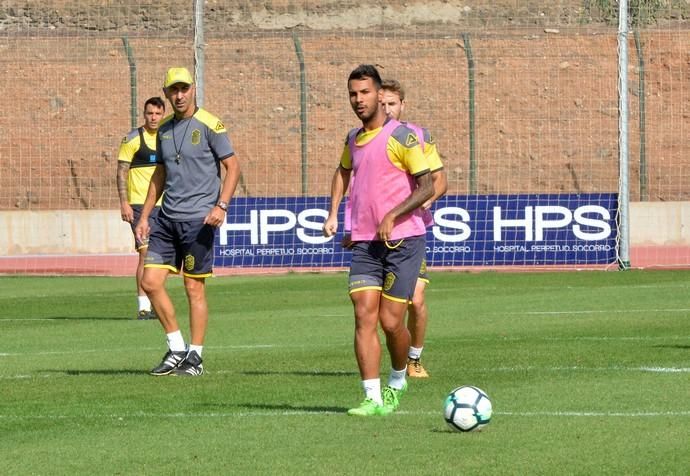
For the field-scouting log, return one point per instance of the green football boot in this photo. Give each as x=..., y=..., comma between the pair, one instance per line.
x=367, y=408
x=391, y=398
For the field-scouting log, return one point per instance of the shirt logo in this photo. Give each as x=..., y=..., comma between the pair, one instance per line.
x=124, y=140
x=219, y=126
x=152, y=158
x=196, y=137
x=411, y=140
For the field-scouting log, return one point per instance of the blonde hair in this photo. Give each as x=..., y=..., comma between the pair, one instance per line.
x=394, y=86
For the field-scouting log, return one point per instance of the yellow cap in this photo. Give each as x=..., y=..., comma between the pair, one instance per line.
x=177, y=75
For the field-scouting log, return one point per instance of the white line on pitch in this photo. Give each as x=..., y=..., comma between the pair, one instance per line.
x=597, y=311
x=273, y=413
x=661, y=370
x=587, y=369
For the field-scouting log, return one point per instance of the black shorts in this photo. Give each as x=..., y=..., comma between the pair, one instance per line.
x=392, y=269
x=181, y=245
x=138, y=245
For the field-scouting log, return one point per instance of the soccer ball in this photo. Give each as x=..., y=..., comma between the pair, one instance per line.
x=467, y=408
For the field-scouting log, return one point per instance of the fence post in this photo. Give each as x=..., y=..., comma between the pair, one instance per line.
x=472, y=121
x=132, y=82
x=623, y=157
x=644, y=193
x=199, y=58
x=303, y=107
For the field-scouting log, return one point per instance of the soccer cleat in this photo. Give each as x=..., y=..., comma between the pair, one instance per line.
x=391, y=398
x=169, y=363
x=367, y=408
x=145, y=315
x=415, y=369
x=191, y=366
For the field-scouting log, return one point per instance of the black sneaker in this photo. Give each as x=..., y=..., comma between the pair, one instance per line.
x=191, y=366
x=146, y=315
x=171, y=360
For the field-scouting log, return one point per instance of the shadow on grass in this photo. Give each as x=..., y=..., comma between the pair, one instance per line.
x=302, y=373
x=66, y=318
x=673, y=346
x=109, y=372
x=284, y=407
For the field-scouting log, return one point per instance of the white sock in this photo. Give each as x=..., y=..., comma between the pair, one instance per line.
x=397, y=378
x=197, y=348
x=415, y=352
x=372, y=389
x=176, y=341
x=144, y=303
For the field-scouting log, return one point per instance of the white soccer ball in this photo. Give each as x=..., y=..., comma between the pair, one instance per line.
x=467, y=408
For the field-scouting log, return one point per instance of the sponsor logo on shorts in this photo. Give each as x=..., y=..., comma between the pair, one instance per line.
x=189, y=262
x=388, y=283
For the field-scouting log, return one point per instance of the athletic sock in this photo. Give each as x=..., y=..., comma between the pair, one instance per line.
x=415, y=352
x=196, y=348
x=372, y=389
x=397, y=378
x=144, y=303
x=176, y=341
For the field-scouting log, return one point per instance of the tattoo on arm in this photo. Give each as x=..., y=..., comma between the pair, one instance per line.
x=122, y=176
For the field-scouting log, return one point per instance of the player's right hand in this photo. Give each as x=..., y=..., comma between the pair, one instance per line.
x=330, y=227
x=141, y=231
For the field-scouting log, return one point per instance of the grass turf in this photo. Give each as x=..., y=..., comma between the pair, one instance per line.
x=588, y=374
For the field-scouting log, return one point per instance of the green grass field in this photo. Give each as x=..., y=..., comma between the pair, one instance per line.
x=589, y=373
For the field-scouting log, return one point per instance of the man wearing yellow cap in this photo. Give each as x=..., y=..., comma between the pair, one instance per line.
x=192, y=144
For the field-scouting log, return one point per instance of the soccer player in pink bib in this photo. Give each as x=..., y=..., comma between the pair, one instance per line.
x=392, y=182
x=394, y=105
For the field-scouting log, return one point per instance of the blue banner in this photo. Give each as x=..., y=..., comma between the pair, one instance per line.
x=469, y=230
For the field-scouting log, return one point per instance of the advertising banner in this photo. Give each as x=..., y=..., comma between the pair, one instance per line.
x=469, y=230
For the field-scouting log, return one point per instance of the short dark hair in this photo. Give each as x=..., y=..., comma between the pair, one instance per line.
x=155, y=101
x=364, y=71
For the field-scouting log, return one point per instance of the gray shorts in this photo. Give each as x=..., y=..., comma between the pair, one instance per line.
x=423, y=275
x=392, y=268
x=185, y=246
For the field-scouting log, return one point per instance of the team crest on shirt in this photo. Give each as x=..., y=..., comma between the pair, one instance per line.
x=411, y=140
x=196, y=137
x=189, y=262
x=388, y=283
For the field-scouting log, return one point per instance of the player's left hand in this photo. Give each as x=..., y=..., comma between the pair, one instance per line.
x=347, y=242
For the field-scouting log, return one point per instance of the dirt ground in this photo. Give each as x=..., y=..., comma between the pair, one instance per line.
x=545, y=93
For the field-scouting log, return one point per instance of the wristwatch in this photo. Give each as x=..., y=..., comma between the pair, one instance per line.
x=222, y=205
